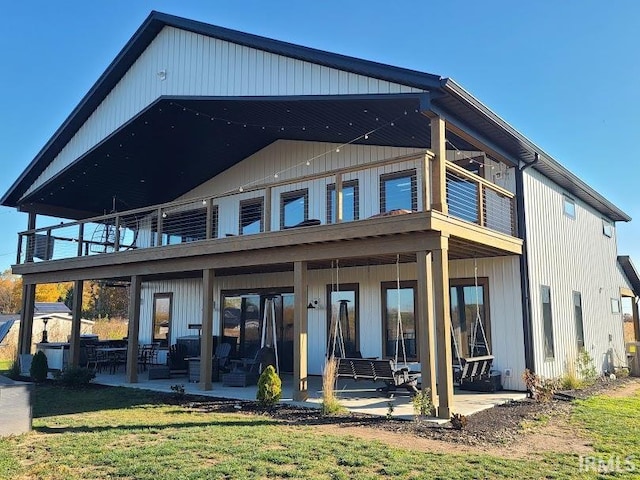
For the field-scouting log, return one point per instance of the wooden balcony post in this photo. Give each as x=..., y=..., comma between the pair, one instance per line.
x=480, y=205
x=209, y=221
x=426, y=183
x=636, y=318
x=31, y=239
x=49, y=246
x=300, y=392
x=442, y=309
x=439, y=174
x=267, y=209
x=134, y=329
x=159, y=232
x=206, y=343
x=26, y=317
x=76, y=319
x=116, y=238
x=426, y=345
x=19, y=253
x=339, y=199
x=80, y=238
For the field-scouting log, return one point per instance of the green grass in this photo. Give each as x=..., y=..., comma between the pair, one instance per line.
x=126, y=433
x=5, y=365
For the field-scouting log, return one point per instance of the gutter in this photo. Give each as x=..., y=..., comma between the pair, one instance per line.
x=527, y=324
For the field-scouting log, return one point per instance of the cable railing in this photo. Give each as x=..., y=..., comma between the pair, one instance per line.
x=386, y=187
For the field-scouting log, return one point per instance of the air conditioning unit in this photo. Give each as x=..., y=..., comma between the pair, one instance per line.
x=633, y=357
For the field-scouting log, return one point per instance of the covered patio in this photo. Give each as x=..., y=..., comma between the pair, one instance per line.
x=357, y=397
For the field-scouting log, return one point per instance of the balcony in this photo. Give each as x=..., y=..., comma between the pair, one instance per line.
x=363, y=197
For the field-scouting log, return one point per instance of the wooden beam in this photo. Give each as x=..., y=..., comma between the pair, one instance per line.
x=442, y=307
x=209, y=220
x=439, y=174
x=31, y=239
x=26, y=317
x=636, y=319
x=206, y=340
x=80, y=238
x=426, y=183
x=339, y=199
x=627, y=292
x=159, y=225
x=267, y=209
x=134, y=329
x=76, y=321
x=426, y=330
x=300, y=392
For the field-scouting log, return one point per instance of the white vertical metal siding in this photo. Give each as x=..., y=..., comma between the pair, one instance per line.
x=571, y=255
x=200, y=65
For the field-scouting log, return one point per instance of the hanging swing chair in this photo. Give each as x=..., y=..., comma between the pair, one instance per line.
x=473, y=368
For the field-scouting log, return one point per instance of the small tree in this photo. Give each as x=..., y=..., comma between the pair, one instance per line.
x=39, y=367
x=269, y=387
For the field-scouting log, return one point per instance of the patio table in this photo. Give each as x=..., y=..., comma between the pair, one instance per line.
x=114, y=355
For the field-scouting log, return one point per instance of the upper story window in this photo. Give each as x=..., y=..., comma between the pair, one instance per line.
x=607, y=228
x=569, y=207
x=294, y=208
x=350, y=202
x=615, y=305
x=398, y=191
x=251, y=220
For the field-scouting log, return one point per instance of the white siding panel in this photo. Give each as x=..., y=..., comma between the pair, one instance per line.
x=571, y=255
x=200, y=65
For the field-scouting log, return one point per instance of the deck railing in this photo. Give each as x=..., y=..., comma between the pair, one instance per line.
x=469, y=197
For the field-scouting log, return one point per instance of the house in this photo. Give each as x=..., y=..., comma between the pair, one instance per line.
x=58, y=327
x=218, y=171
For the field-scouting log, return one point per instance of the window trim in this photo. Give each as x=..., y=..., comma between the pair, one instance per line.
x=331, y=187
x=411, y=173
x=618, y=308
x=544, y=333
x=154, y=339
x=246, y=203
x=607, y=228
x=355, y=287
x=567, y=200
x=484, y=283
x=393, y=285
x=294, y=195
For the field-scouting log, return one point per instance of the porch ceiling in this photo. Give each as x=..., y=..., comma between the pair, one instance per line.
x=178, y=143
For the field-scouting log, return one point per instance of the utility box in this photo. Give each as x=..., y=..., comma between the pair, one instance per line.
x=15, y=406
x=633, y=358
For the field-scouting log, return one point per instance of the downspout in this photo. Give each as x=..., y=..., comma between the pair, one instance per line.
x=524, y=266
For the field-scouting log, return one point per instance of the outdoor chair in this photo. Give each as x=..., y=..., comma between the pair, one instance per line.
x=246, y=371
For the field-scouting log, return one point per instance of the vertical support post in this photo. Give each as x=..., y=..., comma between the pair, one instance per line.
x=209, y=221
x=116, y=238
x=76, y=318
x=80, y=238
x=26, y=317
x=339, y=199
x=636, y=318
x=267, y=209
x=159, y=232
x=206, y=341
x=19, y=253
x=426, y=183
x=442, y=309
x=426, y=345
x=49, y=246
x=439, y=174
x=31, y=239
x=300, y=392
x=134, y=329
x=481, y=205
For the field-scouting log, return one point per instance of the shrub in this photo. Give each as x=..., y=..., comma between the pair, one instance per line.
x=330, y=404
x=422, y=404
x=39, y=367
x=14, y=371
x=458, y=421
x=540, y=389
x=570, y=380
x=269, y=387
x=585, y=367
x=74, y=377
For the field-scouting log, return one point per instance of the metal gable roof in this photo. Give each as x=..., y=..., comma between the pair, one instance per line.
x=630, y=272
x=451, y=97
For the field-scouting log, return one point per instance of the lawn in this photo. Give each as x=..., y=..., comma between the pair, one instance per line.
x=127, y=433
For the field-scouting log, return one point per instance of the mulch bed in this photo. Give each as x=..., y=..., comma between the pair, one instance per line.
x=498, y=425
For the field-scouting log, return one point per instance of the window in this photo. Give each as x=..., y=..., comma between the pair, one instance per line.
x=404, y=303
x=350, y=202
x=162, y=318
x=615, y=305
x=607, y=228
x=294, y=208
x=467, y=301
x=569, y=207
x=577, y=312
x=398, y=191
x=251, y=216
x=344, y=306
x=547, y=323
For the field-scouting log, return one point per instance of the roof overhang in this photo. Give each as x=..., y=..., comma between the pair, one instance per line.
x=630, y=272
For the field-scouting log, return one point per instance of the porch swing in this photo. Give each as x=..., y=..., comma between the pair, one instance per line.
x=383, y=370
x=474, y=368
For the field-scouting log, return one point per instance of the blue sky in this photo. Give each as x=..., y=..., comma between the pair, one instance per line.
x=564, y=73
